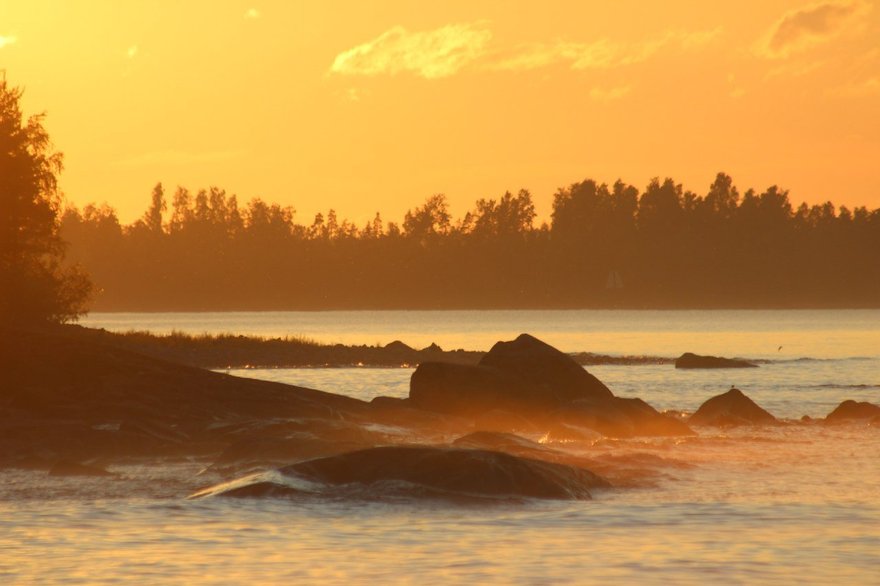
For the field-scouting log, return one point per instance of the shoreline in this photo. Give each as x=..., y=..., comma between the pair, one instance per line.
x=74, y=402
x=223, y=351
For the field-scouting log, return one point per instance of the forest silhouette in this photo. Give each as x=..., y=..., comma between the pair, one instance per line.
x=605, y=246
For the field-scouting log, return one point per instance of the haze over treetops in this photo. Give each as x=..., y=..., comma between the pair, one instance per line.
x=369, y=107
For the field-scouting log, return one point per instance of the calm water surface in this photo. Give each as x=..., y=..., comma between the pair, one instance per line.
x=752, y=333
x=798, y=503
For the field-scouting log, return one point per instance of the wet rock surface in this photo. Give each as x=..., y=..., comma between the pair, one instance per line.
x=731, y=409
x=423, y=471
x=851, y=410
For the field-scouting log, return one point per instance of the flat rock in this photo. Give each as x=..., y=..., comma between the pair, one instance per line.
x=691, y=360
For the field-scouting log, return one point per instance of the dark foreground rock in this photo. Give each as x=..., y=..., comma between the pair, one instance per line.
x=425, y=471
x=731, y=409
x=527, y=385
x=65, y=395
x=851, y=410
x=690, y=360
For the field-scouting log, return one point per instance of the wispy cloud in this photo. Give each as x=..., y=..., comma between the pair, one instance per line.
x=601, y=54
x=610, y=94
x=445, y=51
x=7, y=40
x=173, y=157
x=792, y=69
x=431, y=54
x=812, y=25
x=735, y=90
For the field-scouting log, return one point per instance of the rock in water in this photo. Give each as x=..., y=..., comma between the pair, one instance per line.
x=524, y=372
x=554, y=374
x=529, y=385
x=462, y=389
x=851, y=410
x=452, y=471
x=730, y=409
x=691, y=360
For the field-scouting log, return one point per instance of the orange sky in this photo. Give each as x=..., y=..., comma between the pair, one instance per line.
x=373, y=106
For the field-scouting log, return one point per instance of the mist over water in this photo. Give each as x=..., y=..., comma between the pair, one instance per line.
x=746, y=505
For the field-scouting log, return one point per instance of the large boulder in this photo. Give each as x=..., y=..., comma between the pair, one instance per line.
x=851, y=410
x=528, y=385
x=691, y=360
x=524, y=373
x=554, y=374
x=462, y=389
x=731, y=409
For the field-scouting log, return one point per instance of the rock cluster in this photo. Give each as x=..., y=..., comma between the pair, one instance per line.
x=528, y=384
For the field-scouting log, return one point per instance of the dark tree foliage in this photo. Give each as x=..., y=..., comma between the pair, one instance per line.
x=34, y=287
x=606, y=246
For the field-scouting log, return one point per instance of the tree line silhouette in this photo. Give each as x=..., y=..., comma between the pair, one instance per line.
x=605, y=246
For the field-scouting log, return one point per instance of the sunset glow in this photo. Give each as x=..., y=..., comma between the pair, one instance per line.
x=463, y=292
x=367, y=108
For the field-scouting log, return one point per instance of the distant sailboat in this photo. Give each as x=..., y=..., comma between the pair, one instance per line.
x=614, y=281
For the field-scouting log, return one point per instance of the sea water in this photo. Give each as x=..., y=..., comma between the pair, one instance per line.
x=796, y=503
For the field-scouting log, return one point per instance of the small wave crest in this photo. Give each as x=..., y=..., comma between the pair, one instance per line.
x=268, y=483
x=814, y=359
x=844, y=386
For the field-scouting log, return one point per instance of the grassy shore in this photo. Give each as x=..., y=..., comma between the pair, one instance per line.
x=235, y=351
x=232, y=351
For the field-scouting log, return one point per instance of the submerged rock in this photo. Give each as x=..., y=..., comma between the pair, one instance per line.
x=508, y=443
x=730, y=409
x=453, y=471
x=851, y=410
x=448, y=473
x=622, y=417
x=691, y=360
